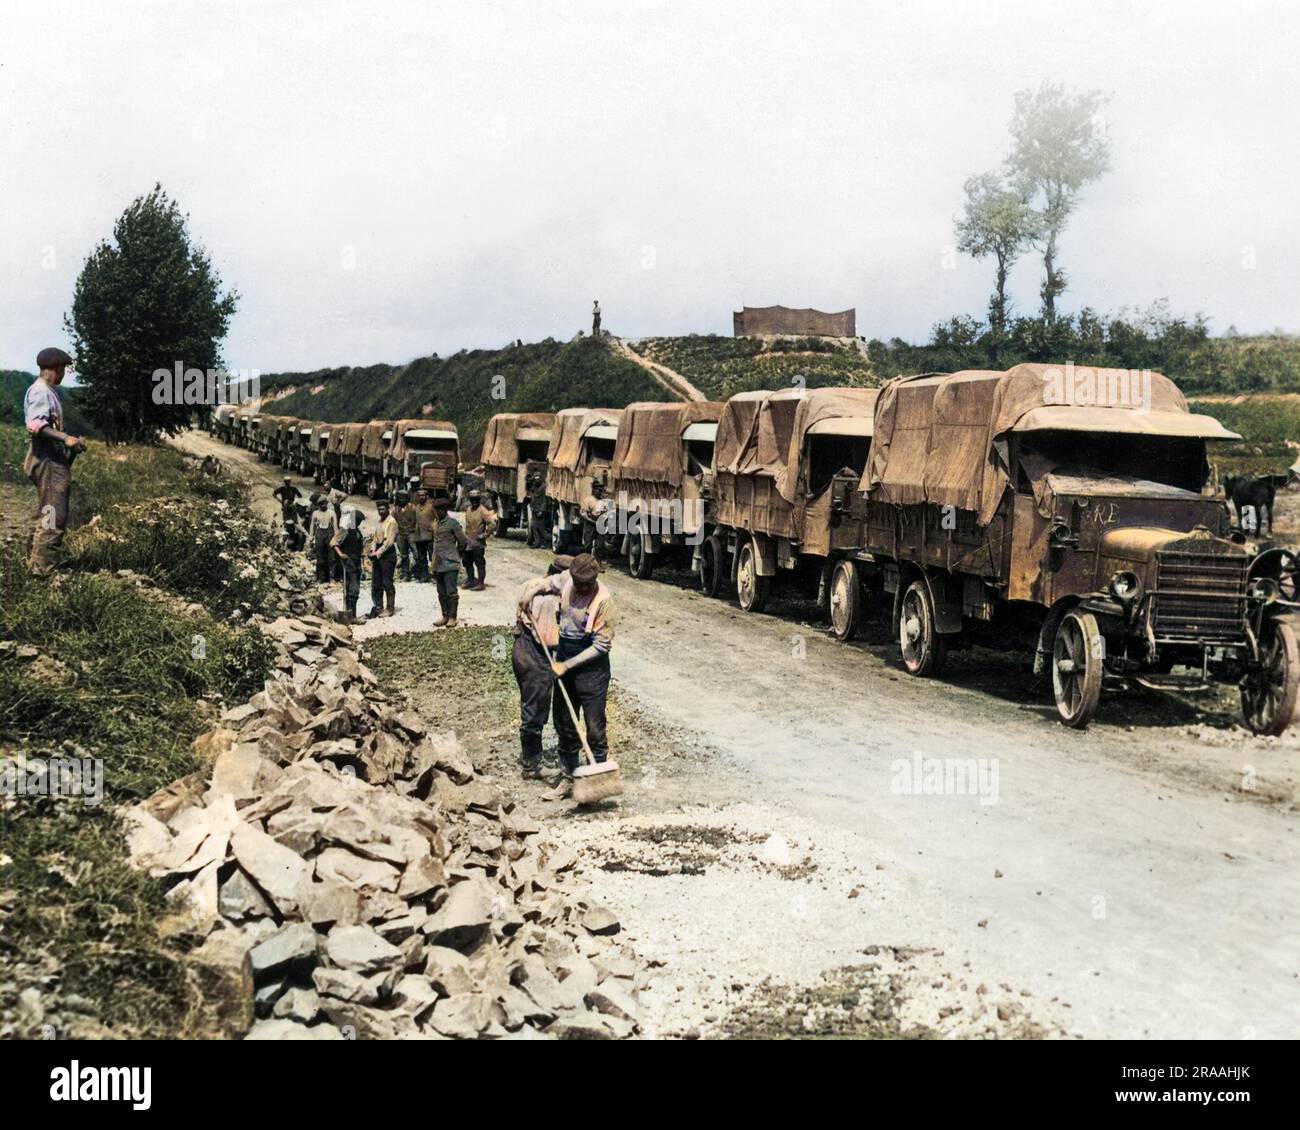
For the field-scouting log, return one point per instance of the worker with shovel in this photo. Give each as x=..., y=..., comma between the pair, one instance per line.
x=576, y=645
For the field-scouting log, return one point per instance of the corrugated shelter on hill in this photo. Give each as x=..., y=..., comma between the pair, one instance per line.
x=751, y=321
x=942, y=438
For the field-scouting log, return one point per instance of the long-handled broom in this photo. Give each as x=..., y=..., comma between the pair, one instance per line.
x=597, y=780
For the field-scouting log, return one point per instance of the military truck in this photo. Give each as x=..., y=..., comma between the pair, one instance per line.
x=425, y=450
x=514, y=466
x=223, y=422
x=1068, y=506
x=659, y=480
x=351, y=474
x=786, y=502
x=316, y=451
x=376, y=438
x=245, y=427
x=580, y=453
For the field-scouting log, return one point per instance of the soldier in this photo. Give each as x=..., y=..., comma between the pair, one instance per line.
x=533, y=672
x=49, y=458
x=426, y=517
x=593, y=508
x=323, y=526
x=383, y=563
x=288, y=494
x=585, y=614
x=347, y=545
x=405, y=515
x=480, y=524
x=448, y=541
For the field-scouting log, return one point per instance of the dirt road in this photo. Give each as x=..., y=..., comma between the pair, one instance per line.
x=1141, y=879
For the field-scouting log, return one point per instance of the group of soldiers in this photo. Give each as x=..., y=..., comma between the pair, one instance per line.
x=416, y=538
x=564, y=621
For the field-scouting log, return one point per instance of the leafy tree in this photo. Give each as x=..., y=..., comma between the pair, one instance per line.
x=1058, y=145
x=997, y=221
x=143, y=302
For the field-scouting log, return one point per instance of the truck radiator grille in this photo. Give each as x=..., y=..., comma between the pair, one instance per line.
x=1200, y=597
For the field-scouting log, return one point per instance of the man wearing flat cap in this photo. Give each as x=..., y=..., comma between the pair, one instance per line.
x=49, y=458
x=578, y=628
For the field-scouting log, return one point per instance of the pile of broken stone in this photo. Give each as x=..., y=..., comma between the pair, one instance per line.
x=351, y=876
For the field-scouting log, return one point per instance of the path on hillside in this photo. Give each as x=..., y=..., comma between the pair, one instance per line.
x=668, y=379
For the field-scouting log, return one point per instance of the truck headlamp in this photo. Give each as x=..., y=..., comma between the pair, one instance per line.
x=1124, y=586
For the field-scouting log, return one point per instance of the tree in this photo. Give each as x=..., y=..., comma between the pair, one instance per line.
x=1058, y=145
x=997, y=221
x=146, y=301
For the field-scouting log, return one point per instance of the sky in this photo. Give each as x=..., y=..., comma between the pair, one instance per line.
x=384, y=181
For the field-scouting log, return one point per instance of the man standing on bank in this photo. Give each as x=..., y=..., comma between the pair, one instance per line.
x=383, y=563
x=49, y=459
x=580, y=658
x=480, y=524
x=448, y=543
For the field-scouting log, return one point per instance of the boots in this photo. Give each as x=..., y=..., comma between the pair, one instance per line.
x=453, y=606
x=441, y=622
x=390, y=601
x=530, y=755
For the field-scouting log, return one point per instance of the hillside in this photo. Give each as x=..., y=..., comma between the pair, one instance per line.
x=542, y=377
x=723, y=366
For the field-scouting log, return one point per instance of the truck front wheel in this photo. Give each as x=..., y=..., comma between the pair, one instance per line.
x=752, y=590
x=1077, y=658
x=1268, y=692
x=845, y=599
x=713, y=567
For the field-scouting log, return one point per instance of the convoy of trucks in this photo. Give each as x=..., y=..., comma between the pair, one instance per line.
x=1067, y=509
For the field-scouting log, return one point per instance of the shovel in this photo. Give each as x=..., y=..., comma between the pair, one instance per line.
x=597, y=780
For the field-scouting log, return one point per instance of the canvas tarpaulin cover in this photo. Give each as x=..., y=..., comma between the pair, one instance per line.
x=501, y=441
x=353, y=435
x=942, y=439
x=566, y=434
x=736, y=429
x=372, y=443
x=816, y=405
x=401, y=427
x=649, y=447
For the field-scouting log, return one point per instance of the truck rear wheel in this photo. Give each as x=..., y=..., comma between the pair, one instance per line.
x=1268, y=693
x=640, y=561
x=1077, y=658
x=924, y=649
x=845, y=600
x=752, y=590
x=713, y=567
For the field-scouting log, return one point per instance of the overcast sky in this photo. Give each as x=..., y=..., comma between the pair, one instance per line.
x=384, y=180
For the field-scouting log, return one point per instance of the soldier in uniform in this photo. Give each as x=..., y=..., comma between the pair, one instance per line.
x=480, y=524
x=347, y=547
x=49, y=458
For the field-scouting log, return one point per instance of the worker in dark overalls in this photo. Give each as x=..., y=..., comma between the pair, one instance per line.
x=348, y=544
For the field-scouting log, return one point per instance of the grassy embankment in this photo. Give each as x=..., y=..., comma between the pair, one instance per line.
x=129, y=675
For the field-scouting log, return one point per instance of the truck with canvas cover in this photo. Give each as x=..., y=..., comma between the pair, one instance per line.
x=659, y=481
x=350, y=474
x=317, y=451
x=245, y=427
x=786, y=469
x=427, y=451
x=223, y=422
x=265, y=436
x=300, y=449
x=514, y=466
x=375, y=442
x=579, y=455
x=1067, y=506
x=332, y=461
x=291, y=437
